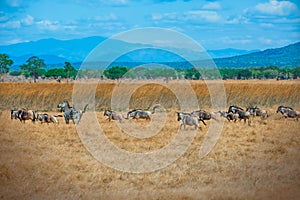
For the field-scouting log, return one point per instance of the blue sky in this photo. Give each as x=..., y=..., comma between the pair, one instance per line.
x=253, y=24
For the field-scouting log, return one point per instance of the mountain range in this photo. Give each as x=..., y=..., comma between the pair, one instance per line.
x=55, y=52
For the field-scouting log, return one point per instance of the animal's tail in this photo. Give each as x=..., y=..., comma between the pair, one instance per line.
x=58, y=115
x=85, y=108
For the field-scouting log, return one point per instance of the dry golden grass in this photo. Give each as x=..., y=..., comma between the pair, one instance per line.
x=40, y=161
x=45, y=96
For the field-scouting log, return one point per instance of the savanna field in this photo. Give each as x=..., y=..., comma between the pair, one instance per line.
x=41, y=161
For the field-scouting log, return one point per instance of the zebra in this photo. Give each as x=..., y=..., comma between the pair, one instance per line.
x=288, y=112
x=71, y=112
x=112, y=115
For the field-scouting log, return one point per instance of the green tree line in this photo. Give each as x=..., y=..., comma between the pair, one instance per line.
x=34, y=67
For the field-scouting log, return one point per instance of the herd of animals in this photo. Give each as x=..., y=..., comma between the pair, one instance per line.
x=234, y=113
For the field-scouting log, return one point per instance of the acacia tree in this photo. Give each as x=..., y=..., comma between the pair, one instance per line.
x=115, y=72
x=5, y=63
x=70, y=70
x=34, y=66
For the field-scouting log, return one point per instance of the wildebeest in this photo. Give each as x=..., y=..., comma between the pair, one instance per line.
x=112, y=115
x=25, y=114
x=229, y=116
x=255, y=111
x=180, y=115
x=142, y=114
x=46, y=118
x=283, y=109
x=14, y=114
x=234, y=109
x=188, y=119
x=71, y=112
x=245, y=115
x=204, y=115
x=288, y=112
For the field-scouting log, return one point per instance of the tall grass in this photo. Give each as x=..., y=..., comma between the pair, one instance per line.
x=45, y=96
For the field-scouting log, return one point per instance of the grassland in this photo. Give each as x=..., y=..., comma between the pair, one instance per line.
x=40, y=161
x=45, y=96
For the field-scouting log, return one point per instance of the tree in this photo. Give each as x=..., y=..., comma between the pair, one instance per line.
x=70, y=70
x=33, y=66
x=56, y=72
x=115, y=72
x=5, y=63
x=192, y=73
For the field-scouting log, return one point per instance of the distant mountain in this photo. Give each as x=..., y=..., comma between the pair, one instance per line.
x=229, y=52
x=288, y=56
x=50, y=59
x=56, y=52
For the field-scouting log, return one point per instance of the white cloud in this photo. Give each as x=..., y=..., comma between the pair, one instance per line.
x=48, y=25
x=243, y=41
x=265, y=40
x=109, y=17
x=114, y=2
x=212, y=6
x=267, y=25
x=15, y=41
x=274, y=7
x=28, y=20
x=208, y=16
x=239, y=19
x=11, y=24
x=14, y=3
x=196, y=16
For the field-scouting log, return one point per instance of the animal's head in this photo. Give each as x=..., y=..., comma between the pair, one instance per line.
x=12, y=114
x=180, y=116
x=131, y=113
x=280, y=109
x=106, y=112
x=251, y=110
x=63, y=105
x=40, y=117
x=234, y=109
